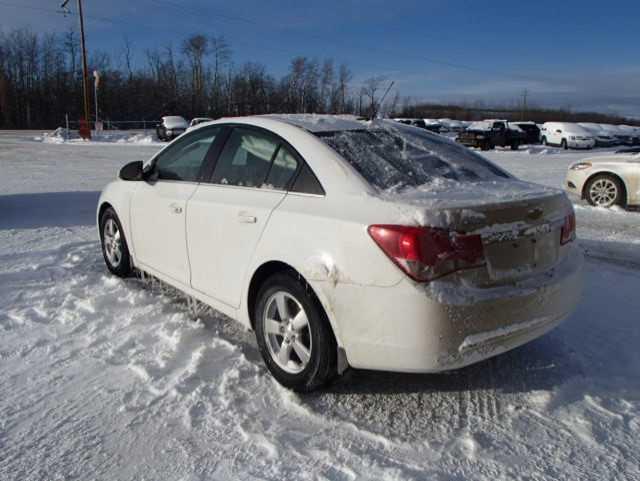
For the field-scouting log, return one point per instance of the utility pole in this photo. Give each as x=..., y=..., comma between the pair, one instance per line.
x=525, y=94
x=85, y=128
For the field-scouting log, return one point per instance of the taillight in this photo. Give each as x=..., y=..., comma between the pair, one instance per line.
x=426, y=253
x=568, y=229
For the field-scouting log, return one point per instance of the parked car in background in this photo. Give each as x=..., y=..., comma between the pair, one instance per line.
x=305, y=229
x=625, y=134
x=449, y=125
x=198, y=121
x=171, y=127
x=602, y=137
x=426, y=124
x=566, y=135
x=531, y=131
x=488, y=134
x=628, y=150
x=606, y=181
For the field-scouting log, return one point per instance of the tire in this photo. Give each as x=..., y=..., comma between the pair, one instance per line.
x=515, y=146
x=604, y=191
x=544, y=141
x=564, y=144
x=114, y=245
x=486, y=145
x=303, y=357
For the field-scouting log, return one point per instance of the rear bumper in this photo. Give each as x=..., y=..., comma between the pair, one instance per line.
x=581, y=144
x=442, y=326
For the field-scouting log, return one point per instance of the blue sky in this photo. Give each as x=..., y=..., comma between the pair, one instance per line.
x=578, y=54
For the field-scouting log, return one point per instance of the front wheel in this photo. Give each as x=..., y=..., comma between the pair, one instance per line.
x=604, y=191
x=544, y=141
x=293, y=334
x=114, y=246
x=564, y=144
x=515, y=145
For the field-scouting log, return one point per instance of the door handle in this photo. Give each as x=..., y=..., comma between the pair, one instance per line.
x=175, y=208
x=247, y=218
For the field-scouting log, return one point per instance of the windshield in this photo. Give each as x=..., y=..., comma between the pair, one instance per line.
x=393, y=156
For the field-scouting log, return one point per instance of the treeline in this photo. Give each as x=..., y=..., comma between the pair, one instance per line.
x=515, y=113
x=41, y=81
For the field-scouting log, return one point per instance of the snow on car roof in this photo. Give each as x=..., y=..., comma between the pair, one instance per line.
x=319, y=122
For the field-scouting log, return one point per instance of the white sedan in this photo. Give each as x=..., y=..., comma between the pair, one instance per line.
x=377, y=246
x=607, y=180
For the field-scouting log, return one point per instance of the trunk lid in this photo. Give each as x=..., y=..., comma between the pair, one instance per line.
x=520, y=224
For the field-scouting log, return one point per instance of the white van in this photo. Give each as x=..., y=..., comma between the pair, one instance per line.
x=566, y=135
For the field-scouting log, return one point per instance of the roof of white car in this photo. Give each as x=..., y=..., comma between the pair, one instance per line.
x=320, y=122
x=310, y=122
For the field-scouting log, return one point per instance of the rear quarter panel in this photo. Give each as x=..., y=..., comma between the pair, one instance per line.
x=325, y=239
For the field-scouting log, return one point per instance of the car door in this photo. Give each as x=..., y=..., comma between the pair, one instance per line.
x=500, y=133
x=226, y=217
x=158, y=206
x=556, y=136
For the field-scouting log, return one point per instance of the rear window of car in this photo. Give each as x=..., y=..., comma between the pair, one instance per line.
x=392, y=156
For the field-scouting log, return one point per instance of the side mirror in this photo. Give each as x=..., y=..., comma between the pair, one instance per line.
x=132, y=171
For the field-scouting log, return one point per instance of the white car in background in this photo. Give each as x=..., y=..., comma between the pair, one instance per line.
x=171, y=127
x=602, y=137
x=197, y=121
x=377, y=245
x=566, y=135
x=606, y=181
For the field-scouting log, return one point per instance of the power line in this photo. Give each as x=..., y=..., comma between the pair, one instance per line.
x=201, y=14
x=50, y=10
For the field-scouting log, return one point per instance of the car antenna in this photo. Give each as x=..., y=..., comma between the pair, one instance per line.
x=381, y=103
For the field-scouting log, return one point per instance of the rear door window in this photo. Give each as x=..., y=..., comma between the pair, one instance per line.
x=284, y=167
x=245, y=159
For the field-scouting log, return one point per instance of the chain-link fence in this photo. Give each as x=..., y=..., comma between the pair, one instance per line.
x=116, y=124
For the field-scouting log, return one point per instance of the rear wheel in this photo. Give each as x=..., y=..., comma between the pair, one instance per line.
x=544, y=141
x=604, y=191
x=515, y=145
x=564, y=144
x=293, y=334
x=114, y=245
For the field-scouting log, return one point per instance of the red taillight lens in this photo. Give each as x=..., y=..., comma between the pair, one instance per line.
x=426, y=253
x=568, y=229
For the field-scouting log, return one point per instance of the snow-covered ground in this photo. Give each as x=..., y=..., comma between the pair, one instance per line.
x=108, y=379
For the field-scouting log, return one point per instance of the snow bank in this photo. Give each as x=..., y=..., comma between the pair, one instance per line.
x=60, y=136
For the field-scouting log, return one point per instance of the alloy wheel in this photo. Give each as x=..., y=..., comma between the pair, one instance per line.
x=287, y=332
x=603, y=192
x=112, y=242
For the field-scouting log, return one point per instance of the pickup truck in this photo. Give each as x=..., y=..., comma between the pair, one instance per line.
x=488, y=134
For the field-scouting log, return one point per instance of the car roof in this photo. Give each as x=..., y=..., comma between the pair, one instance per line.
x=319, y=122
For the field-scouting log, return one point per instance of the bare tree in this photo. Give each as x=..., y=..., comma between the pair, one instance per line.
x=196, y=48
x=327, y=85
x=128, y=56
x=344, y=77
x=221, y=53
x=371, y=89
